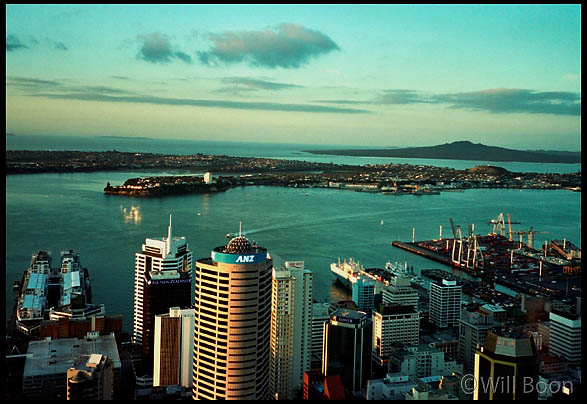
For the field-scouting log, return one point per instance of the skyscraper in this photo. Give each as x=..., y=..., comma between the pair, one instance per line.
x=291, y=329
x=505, y=366
x=445, y=303
x=392, y=325
x=163, y=278
x=232, y=322
x=320, y=315
x=347, y=348
x=173, y=348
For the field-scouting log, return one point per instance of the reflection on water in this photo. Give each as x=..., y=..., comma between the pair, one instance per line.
x=132, y=215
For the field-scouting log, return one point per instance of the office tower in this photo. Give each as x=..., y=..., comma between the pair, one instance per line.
x=291, y=327
x=400, y=291
x=363, y=293
x=473, y=328
x=232, y=322
x=445, y=303
x=47, y=362
x=163, y=278
x=392, y=325
x=347, y=348
x=173, y=348
x=565, y=337
x=320, y=315
x=91, y=378
x=505, y=366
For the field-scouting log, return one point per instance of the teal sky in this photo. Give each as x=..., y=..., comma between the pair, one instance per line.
x=378, y=75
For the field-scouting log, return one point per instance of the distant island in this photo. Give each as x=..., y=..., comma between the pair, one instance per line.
x=463, y=150
x=10, y=134
x=124, y=137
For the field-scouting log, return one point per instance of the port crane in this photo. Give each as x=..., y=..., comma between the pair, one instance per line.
x=530, y=234
x=499, y=225
x=474, y=257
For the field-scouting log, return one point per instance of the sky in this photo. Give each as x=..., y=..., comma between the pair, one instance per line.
x=365, y=75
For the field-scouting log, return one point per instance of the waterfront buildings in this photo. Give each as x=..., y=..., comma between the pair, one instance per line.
x=173, y=348
x=565, y=337
x=291, y=329
x=445, y=303
x=347, y=348
x=163, y=278
x=47, y=363
x=232, y=322
x=91, y=378
x=393, y=325
x=505, y=365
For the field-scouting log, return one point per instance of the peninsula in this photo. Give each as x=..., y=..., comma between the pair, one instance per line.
x=463, y=150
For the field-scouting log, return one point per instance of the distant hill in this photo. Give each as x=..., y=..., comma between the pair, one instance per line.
x=463, y=150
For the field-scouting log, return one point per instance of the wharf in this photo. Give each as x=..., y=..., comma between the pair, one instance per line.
x=424, y=252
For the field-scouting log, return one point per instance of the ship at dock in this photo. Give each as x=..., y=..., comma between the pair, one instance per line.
x=48, y=293
x=346, y=272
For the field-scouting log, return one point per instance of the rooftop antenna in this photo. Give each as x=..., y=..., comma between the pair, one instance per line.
x=240, y=224
x=169, y=236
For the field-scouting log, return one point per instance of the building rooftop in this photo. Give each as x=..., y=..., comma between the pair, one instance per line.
x=395, y=309
x=56, y=356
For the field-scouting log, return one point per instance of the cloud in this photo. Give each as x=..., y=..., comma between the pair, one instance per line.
x=498, y=100
x=156, y=48
x=13, y=43
x=259, y=84
x=146, y=99
x=503, y=100
x=289, y=46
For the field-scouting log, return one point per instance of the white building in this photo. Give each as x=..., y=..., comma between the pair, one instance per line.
x=393, y=386
x=291, y=329
x=162, y=260
x=400, y=291
x=174, y=348
x=445, y=303
x=565, y=337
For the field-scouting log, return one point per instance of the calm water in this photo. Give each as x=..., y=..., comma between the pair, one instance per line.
x=245, y=149
x=69, y=211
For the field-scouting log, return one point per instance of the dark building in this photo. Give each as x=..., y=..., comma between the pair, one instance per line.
x=506, y=367
x=347, y=348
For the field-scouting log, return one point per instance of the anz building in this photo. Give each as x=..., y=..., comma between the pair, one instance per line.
x=232, y=323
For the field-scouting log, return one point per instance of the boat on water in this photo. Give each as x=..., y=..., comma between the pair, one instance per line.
x=346, y=271
x=400, y=270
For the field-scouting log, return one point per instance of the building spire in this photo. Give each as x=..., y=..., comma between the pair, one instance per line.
x=240, y=225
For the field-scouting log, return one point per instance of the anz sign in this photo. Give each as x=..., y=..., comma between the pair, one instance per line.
x=238, y=258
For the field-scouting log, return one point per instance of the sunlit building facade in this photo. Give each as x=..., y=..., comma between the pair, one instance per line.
x=163, y=278
x=232, y=323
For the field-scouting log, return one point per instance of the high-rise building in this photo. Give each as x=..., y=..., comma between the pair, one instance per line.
x=392, y=325
x=291, y=329
x=363, y=293
x=474, y=327
x=173, y=348
x=320, y=315
x=400, y=291
x=347, y=348
x=163, y=278
x=565, y=337
x=445, y=303
x=505, y=366
x=91, y=378
x=232, y=323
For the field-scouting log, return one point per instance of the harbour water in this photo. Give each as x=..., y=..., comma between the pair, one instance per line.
x=70, y=211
